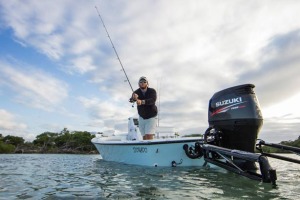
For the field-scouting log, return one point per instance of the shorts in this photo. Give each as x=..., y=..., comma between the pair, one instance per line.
x=147, y=126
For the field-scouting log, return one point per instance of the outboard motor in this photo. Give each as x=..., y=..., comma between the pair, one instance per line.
x=235, y=118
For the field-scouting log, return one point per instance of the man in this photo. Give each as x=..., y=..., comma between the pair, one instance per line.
x=145, y=98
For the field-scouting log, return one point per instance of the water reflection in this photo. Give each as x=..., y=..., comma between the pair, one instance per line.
x=148, y=182
x=88, y=177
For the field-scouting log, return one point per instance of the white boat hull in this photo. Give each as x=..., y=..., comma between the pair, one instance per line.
x=159, y=152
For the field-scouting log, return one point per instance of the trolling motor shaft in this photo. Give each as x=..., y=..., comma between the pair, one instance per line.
x=278, y=146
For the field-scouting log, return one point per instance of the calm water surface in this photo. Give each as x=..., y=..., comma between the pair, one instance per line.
x=52, y=176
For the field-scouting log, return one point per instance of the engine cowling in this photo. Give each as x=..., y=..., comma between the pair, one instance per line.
x=235, y=112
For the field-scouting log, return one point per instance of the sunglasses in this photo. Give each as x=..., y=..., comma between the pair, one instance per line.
x=143, y=81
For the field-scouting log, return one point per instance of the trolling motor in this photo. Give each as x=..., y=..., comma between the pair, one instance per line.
x=235, y=120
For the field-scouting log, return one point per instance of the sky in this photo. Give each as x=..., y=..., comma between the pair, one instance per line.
x=58, y=69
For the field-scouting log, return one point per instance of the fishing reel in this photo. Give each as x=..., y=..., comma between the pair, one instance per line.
x=131, y=100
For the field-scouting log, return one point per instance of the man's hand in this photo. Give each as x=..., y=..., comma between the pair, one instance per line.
x=135, y=96
x=140, y=102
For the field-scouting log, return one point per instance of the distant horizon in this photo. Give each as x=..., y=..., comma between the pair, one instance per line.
x=95, y=133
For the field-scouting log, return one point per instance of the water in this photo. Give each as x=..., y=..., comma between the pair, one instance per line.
x=57, y=176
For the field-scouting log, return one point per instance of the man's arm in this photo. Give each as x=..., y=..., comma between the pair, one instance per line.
x=151, y=99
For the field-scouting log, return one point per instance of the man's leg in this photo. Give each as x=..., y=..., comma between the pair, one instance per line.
x=150, y=127
x=142, y=127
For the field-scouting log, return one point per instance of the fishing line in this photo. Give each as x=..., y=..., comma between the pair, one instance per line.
x=113, y=46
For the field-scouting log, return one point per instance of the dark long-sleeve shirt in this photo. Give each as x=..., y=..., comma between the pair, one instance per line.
x=149, y=109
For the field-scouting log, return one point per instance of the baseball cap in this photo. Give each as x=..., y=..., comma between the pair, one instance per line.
x=143, y=78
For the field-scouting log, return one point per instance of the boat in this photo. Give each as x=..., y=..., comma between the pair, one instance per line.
x=230, y=141
x=165, y=150
x=234, y=111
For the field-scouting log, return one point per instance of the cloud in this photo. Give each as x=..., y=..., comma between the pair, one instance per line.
x=56, y=31
x=32, y=86
x=197, y=53
x=283, y=128
x=11, y=125
x=8, y=122
x=33, y=27
x=278, y=66
x=83, y=64
x=192, y=49
x=105, y=114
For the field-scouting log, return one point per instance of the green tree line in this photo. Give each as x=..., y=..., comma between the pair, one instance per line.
x=49, y=142
x=76, y=142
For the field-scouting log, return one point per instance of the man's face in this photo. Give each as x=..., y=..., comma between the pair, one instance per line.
x=143, y=84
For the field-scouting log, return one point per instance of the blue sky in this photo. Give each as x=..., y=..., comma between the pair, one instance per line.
x=57, y=67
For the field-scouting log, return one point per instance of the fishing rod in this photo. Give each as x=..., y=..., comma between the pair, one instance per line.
x=113, y=46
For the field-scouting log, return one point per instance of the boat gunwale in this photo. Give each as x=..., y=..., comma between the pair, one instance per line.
x=146, y=142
